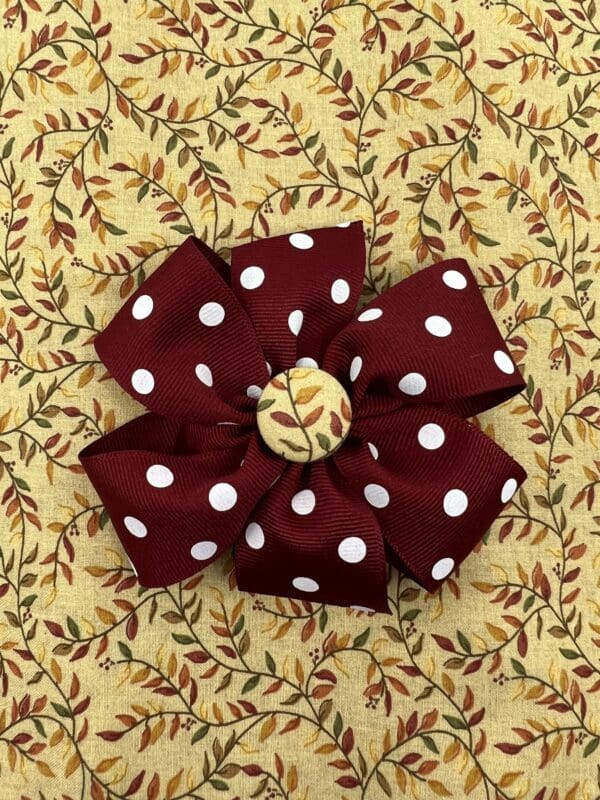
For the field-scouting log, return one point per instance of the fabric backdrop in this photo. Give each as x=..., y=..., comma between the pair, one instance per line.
x=450, y=129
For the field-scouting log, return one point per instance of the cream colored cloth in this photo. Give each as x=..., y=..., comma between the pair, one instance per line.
x=450, y=129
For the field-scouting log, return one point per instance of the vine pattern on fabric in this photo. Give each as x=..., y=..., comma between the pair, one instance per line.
x=451, y=129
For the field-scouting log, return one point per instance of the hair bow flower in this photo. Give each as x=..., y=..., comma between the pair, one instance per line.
x=313, y=438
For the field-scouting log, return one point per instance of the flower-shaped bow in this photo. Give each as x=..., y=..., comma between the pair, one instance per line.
x=394, y=466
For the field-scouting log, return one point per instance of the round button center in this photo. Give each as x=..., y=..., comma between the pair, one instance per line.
x=304, y=414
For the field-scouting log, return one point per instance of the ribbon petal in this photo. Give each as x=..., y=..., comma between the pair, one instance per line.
x=429, y=339
x=435, y=482
x=182, y=344
x=309, y=538
x=177, y=494
x=300, y=290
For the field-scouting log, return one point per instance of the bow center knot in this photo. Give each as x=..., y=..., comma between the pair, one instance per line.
x=304, y=414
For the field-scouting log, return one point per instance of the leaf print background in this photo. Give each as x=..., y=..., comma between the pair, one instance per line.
x=450, y=129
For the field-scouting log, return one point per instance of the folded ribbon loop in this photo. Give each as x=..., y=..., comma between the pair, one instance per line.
x=198, y=342
x=176, y=492
x=183, y=346
x=441, y=347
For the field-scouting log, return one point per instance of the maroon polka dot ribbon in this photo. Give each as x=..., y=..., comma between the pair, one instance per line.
x=412, y=482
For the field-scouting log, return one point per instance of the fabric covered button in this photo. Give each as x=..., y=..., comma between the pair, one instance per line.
x=304, y=414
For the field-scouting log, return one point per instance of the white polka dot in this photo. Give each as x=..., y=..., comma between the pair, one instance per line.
x=202, y=551
x=211, y=314
x=222, y=497
x=376, y=495
x=254, y=391
x=454, y=279
x=363, y=608
x=159, y=476
x=373, y=450
x=304, y=502
x=302, y=241
x=142, y=307
x=295, y=320
x=352, y=549
x=340, y=291
x=344, y=224
x=255, y=536
x=412, y=383
x=438, y=326
x=355, y=368
x=455, y=502
x=142, y=381
x=269, y=368
x=307, y=362
x=442, y=568
x=204, y=374
x=370, y=314
x=305, y=585
x=504, y=362
x=135, y=527
x=252, y=277
x=431, y=436
x=509, y=488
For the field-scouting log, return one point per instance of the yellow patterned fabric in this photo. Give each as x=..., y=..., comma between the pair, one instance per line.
x=465, y=128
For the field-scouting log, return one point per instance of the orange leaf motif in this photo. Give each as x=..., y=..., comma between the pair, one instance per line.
x=346, y=411
x=311, y=418
x=306, y=394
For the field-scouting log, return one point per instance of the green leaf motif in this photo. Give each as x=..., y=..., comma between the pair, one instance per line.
x=270, y=662
x=455, y=722
x=74, y=628
x=200, y=733
x=264, y=404
x=518, y=667
x=7, y=149
x=447, y=47
x=125, y=651
x=557, y=494
x=338, y=724
x=590, y=747
x=324, y=441
x=368, y=165
x=182, y=638
x=250, y=684
x=362, y=638
x=61, y=710
x=83, y=33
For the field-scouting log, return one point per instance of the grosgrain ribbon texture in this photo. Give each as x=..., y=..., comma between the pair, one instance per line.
x=414, y=483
